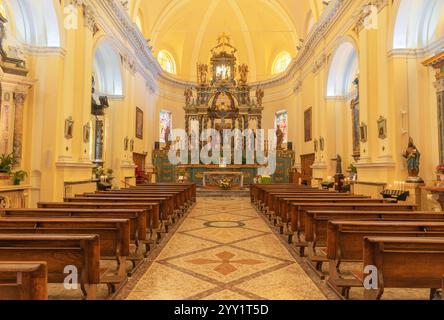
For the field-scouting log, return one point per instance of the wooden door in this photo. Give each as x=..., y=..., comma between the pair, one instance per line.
x=307, y=161
x=139, y=161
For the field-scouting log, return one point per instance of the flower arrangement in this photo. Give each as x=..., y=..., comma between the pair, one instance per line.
x=440, y=169
x=225, y=184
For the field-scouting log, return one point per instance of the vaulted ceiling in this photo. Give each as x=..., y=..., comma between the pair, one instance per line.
x=259, y=29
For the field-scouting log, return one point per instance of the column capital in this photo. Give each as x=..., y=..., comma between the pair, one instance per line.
x=89, y=18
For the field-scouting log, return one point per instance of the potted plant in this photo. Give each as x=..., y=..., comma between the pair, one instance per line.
x=7, y=161
x=18, y=177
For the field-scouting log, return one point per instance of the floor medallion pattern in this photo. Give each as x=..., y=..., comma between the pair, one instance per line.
x=224, y=250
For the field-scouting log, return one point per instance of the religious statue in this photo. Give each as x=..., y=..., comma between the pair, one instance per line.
x=243, y=72
x=167, y=138
x=259, y=96
x=202, y=70
x=412, y=156
x=279, y=138
x=338, y=165
x=188, y=96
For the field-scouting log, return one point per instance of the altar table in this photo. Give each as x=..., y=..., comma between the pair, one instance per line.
x=213, y=178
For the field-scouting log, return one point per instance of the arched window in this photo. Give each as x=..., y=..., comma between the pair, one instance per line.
x=166, y=121
x=281, y=62
x=280, y=120
x=106, y=68
x=36, y=22
x=166, y=61
x=343, y=70
x=418, y=23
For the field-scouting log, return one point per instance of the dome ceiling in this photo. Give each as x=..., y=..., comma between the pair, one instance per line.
x=259, y=29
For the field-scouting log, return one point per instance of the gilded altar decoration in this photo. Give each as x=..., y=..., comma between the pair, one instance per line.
x=225, y=184
x=221, y=100
x=259, y=96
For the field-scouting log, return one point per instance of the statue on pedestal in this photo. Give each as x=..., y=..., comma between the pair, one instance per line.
x=188, y=96
x=279, y=138
x=167, y=138
x=243, y=72
x=259, y=96
x=413, y=156
x=202, y=70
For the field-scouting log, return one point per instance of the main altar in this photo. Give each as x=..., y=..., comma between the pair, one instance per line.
x=222, y=100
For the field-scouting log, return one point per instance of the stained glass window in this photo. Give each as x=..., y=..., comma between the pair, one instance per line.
x=281, y=62
x=166, y=61
x=280, y=120
x=166, y=121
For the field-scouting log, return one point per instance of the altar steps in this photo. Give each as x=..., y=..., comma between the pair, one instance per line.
x=208, y=193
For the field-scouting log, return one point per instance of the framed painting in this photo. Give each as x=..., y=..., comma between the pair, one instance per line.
x=382, y=128
x=139, y=123
x=363, y=132
x=308, y=118
x=86, y=133
x=69, y=128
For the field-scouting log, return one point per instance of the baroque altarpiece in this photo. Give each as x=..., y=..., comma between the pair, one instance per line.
x=222, y=100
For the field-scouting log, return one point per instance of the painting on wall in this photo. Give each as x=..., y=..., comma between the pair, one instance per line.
x=363, y=132
x=86, y=133
x=382, y=128
x=69, y=127
x=139, y=123
x=308, y=125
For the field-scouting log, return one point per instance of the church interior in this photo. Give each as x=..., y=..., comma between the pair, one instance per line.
x=221, y=150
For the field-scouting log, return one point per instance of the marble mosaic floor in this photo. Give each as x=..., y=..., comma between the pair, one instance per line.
x=224, y=250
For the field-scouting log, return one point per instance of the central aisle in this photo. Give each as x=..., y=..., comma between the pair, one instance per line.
x=224, y=250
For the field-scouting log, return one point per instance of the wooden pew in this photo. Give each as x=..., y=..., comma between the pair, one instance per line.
x=59, y=251
x=316, y=225
x=178, y=202
x=282, y=216
x=151, y=212
x=136, y=217
x=191, y=186
x=165, y=204
x=345, y=243
x=297, y=222
x=114, y=237
x=404, y=262
x=21, y=280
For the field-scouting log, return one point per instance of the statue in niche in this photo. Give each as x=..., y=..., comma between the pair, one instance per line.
x=243, y=72
x=412, y=156
x=259, y=96
x=188, y=96
x=279, y=138
x=202, y=71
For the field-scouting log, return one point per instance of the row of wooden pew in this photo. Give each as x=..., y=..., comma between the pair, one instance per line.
x=398, y=245
x=90, y=237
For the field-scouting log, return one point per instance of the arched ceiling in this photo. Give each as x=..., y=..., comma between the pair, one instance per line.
x=259, y=29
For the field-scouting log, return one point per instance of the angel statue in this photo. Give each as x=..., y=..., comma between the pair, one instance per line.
x=188, y=96
x=412, y=156
x=259, y=96
x=243, y=72
x=202, y=70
